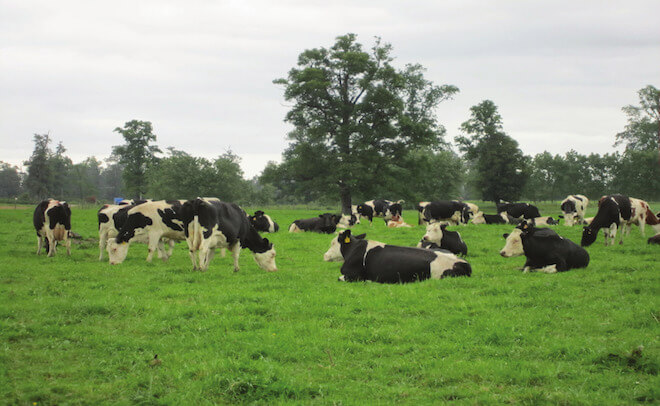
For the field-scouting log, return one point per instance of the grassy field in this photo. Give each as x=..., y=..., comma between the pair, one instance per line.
x=78, y=331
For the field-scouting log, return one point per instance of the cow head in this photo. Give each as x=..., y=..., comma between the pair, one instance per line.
x=588, y=236
x=265, y=256
x=479, y=218
x=117, y=251
x=393, y=210
x=434, y=233
x=333, y=254
x=329, y=222
x=262, y=222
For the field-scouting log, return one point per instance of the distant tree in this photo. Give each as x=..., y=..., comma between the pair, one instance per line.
x=136, y=155
x=39, y=173
x=10, y=180
x=181, y=176
x=228, y=183
x=499, y=163
x=354, y=115
x=642, y=133
x=111, y=184
x=60, y=167
x=85, y=178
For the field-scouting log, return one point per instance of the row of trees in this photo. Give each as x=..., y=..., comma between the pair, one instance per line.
x=362, y=129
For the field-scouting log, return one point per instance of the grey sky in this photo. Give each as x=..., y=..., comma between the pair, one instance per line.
x=202, y=71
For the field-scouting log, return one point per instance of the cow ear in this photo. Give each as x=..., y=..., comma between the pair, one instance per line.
x=505, y=235
x=361, y=236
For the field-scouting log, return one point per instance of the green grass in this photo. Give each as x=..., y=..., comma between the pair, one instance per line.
x=75, y=330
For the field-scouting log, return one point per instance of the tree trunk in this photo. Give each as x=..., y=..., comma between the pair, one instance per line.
x=345, y=197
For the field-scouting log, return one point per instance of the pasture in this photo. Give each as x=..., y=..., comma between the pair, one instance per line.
x=78, y=331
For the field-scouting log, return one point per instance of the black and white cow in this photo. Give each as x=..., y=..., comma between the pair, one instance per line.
x=448, y=211
x=420, y=212
x=262, y=222
x=380, y=208
x=346, y=221
x=152, y=221
x=543, y=221
x=52, y=222
x=324, y=223
x=482, y=218
x=211, y=224
x=574, y=208
x=518, y=210
x=614, y=211
x=373, y=261
x=449, y=240
x=545, y=250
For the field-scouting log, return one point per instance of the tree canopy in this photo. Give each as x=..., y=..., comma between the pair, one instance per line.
x=136, y=155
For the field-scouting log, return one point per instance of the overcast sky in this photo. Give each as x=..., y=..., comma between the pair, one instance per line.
x=202, y=71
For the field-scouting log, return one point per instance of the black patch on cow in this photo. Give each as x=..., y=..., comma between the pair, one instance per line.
x=568, y=207
x=168, y=215
x=39, y=217
x=133, y=222
x=609, y=209
x=324, y=223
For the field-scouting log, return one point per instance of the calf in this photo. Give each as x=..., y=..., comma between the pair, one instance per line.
x=52, y=221
x=445, y=239
x=482, y=218
x=262, y=222
x=450, y=211
x=150, y=221
x=517, y=210
x=379, y=208
x=324, y=223
x=210, y=224
x=397, y=222
x=544, y=249
x=573, y=208
x=373, y=261
x=613, y=211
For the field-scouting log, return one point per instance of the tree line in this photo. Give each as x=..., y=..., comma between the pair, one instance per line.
x=362, y=129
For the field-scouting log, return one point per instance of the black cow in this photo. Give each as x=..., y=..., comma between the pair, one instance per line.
x=52, y=221
x=373, y=261
x=210, y=224
x=517, y=210
x=324, y=223
x=380, y=208
x=449, y=240
x=262, y=222
x=450, y=211
x=544, y=249
x=613, y=211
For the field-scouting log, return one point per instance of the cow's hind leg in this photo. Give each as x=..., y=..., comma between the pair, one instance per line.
x=40, y=243
x=236, y=252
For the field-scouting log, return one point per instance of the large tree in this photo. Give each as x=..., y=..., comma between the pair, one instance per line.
x=356, y=115
x=10, y=180
x=136, y=155
x=500, y=165
x=39, y=174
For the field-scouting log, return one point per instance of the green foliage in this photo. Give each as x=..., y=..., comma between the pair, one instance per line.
x=500, y=166
x=642, y=133
x=77, y=331
x=354, y=114
x=136, y=155
x=10, y=180
x=39, y=174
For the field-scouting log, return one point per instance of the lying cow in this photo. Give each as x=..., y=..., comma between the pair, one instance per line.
x=449, y=240
x=482, y=218
x=262, y=222
x=518, y=210
x=52, y=222
x=446, y=211
x=379, y=208
x=324, y=223
x=544, y=249
x=543, y=221
x=614, y=211
x=373, y=261
x=150, y=221
x=574, y=208
x=210, y=224
x=397, y=222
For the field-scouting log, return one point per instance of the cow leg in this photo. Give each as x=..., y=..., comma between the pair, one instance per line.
x=154, y=242
x=206, y=253
x=223, y=252
x=162, y=254
x=191, y=252
x=549, y=269
x=51, y=243
x=235, y=252
x=40, y=243
x=103, y=240
x=67, y=244
x=171, y=250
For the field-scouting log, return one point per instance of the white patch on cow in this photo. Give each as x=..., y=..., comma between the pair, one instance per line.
x=442, y=263
x=638, y=215
x=333, y=254
x=433, y=233
x=474, y=209
x=117, y=251
x=271, y=223
x=293, y=228
x=548, y=269
x=479, y=218
x=266, y=260
x=513, y=246
x=344, y=221
x=504, y=216
x=370, y=245
x=342, y=279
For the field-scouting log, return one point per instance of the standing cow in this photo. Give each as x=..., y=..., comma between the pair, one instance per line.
x=52, y=221
x=614, y=211
x=211, y=224
x=574, y=208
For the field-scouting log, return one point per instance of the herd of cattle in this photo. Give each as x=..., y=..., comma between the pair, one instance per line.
x=209, y=223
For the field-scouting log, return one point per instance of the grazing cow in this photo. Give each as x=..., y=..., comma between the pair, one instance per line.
x=545, y=250
x=449, y=211
x=613, y=211
x=52, y=221
x=373, y=261
x=641, y=215
x=574, y=208
x=210, y=224
x=445, y=239
x=482, y=218
x=517, y=210
x=324, y=223
x=543, y=221
x=380, y=208
x=262, y=222
x=397, y=222
x=156, y=220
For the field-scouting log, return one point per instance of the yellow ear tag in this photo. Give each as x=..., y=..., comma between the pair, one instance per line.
x=347, y=240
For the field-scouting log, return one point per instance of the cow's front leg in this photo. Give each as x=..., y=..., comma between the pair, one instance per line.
x=51, y=243
x=236, y=252
x=154, y=242
x=40, y=243
x=103, y=241
x=162, y=254
x=67, y=244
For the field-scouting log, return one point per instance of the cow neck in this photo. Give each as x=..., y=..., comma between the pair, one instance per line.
x=251, y=239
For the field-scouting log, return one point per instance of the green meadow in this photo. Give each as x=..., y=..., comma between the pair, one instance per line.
x=74, y=330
